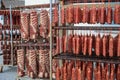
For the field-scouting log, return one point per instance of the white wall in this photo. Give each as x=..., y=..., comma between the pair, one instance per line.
x=33, y=2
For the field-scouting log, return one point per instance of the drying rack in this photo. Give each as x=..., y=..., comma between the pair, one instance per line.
x=92, y=27
x=11, y=26
x=34, y=44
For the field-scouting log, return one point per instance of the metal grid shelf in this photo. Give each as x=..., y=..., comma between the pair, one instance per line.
x=115, y=28
x=36, y=6
x=28, y=78
x=35, y=44
x=93, y=58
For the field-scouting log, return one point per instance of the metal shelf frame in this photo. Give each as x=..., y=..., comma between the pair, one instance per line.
x=92, y=58
x=108, y=27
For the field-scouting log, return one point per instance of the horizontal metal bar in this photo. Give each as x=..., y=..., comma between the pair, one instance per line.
x=34, y=44
x=98, y=4
x=82, y=1
x=37, y=6
x=87, y=28
x=28, y=78
x=101, y=59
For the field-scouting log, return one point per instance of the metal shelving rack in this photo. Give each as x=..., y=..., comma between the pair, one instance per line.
x=11, y=40
x=49, y=45
x=93, y=58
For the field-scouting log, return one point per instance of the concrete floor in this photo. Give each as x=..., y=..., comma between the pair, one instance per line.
x=9, y=73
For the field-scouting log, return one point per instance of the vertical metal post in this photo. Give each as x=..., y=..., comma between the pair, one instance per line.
x=60, y=31
x=11, y=36
x=50, y=55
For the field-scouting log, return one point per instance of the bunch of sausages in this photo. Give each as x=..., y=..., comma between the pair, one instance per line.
x=6, y=48
x=33, y=24
x=44, y=23
x=75, y=14
x=6, y=52
x=36, y=67
x=88, y=44
x=20, y=61
x=87, y=71
x=15, y=16
x=29, y=24
x=7, y=12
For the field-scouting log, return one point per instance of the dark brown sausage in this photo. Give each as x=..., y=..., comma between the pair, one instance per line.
x=104, y=73
x=93, y=15
x=70, y=14
x=63, y=15
x=102, y=15
x=77, y=14
x=111, y=46
x=58, y=73
x=85, y=45
x=65, y=43
x=117, y=14
x=83, y=70
x=85, y=14
x=104, y=45
x=112, y=72
x=109, y=14
x=64, y=73
x=57, y=45
x=118, y=45
x=90, y=40
x=77, y=45
x=97, y=45
x=118, y=72
x=99, y=71
x=55, y=17
x=70, y=43
x=69, y=70
x=73, y=74
x=89, y=71
x=74, y=44
x=79, y=73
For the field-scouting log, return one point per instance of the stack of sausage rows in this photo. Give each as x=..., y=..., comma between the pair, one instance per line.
x=36, y=67
x=89, y=44
x=32, y=32
x=87, y=71
x=75, y=14
x=15, y=16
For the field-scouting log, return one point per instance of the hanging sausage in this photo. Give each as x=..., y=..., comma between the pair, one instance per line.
x=33, y=24
x=70, y=43
x=55, y=15
x=85, y=12
x=20, y=62
x=63, y=16
x=77, y=14
x=102, y=15
x=70, y=14
x=117, y=14
x=32, y=63
x=93, y=15
x=111, y=46
x=90, y=40
x=104, y=46
x=24, y=25
x=109, y=15
x=97, y=45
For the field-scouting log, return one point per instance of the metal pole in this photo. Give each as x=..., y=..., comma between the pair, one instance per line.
x=11, y=36
x=50, y=55
x=60, y=31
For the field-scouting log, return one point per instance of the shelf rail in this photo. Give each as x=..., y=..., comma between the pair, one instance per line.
x=101, y=59
x=116, y=28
